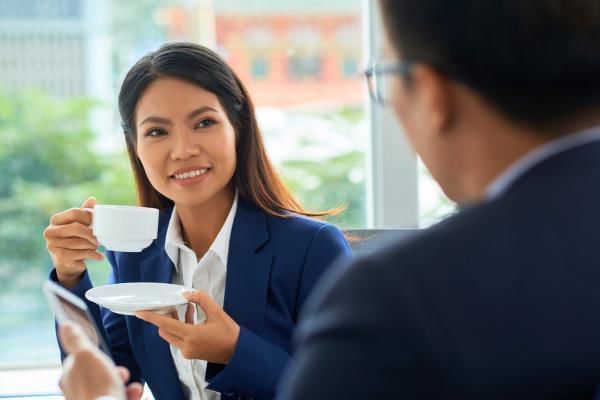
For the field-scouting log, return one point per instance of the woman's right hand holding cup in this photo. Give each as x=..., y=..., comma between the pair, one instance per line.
x=70, y=241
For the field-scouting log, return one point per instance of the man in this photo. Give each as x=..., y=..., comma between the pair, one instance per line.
x=501, y=100
x=90, y=375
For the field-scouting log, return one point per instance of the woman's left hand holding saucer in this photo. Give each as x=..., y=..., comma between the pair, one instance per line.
x=213, y=340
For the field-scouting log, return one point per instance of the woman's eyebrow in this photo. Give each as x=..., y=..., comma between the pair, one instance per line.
x=166, y=121
x=200, y=110
x=156, y=120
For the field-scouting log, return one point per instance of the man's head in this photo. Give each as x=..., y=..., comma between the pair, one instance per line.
x=498, y=67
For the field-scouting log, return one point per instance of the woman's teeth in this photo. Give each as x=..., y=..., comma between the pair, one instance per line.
x=191, y=174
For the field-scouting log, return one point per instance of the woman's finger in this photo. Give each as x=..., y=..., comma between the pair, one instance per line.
x=72, y=215
x=189, y=313
x=64, y=256
x=74, y=244
x=134, y=391
x=171, y=338
x=166, y=324
x=173, y=315
x=70, y=230
x=90, y=202
x=123, y=374
x=72, y=337
x=206, y=303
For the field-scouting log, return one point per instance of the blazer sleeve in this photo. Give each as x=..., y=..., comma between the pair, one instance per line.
x=111, y=326
x=256, y=365
x=328, y=246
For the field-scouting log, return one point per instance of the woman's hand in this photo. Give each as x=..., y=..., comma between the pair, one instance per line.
x=70, y=241
x=214, y=340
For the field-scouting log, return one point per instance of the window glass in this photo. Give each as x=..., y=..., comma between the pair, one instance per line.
x=61, y=63
x=260, y=68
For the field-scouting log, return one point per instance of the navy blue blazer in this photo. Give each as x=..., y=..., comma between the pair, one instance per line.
x=501, y=301
x=273, y=265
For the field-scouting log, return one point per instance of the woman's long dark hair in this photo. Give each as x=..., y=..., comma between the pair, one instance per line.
x=255, y=177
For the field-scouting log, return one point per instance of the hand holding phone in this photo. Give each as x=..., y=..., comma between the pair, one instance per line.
x=68, y=307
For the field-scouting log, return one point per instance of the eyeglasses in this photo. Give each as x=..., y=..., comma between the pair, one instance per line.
x=379, y=78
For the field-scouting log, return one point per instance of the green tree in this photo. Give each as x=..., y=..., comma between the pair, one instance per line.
x=49, y=162
x=338, y=180
x=329, y=184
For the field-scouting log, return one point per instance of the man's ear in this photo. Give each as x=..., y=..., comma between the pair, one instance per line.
x=434, y=99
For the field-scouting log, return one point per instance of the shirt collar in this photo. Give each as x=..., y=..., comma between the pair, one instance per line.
x=174, y=238
x=510, y=175
x=220, y=246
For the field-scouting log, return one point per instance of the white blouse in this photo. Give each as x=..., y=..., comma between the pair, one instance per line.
x=208, y=274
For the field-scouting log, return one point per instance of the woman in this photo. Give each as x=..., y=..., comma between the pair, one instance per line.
x=228, y=227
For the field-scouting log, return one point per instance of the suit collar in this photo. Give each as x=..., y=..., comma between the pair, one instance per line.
x=249, y=229
x=581, y=161
x=538, y=156
x=220, y=246
x=248, y=268
x=249, y=232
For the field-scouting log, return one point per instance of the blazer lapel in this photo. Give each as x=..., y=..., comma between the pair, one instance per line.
x=248, y=271
x=157, y=268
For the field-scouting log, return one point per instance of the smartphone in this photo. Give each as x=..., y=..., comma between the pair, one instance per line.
x=68, y=307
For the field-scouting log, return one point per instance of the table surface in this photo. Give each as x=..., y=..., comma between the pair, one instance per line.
x=30, y=383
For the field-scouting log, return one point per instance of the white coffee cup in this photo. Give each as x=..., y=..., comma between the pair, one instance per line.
x=124, y=228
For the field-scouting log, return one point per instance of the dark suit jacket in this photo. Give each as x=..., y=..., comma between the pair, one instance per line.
x=273, y=264
x=501, y=301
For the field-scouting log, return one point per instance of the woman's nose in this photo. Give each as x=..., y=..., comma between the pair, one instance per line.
x=184, y=147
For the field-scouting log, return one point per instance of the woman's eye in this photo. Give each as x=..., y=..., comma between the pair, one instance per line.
x=155, y=132
x=205, y=123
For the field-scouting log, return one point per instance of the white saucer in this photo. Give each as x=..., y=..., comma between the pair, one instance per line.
x=127, y=298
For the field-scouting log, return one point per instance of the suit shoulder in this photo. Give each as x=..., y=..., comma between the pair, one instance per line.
x=469, y=228
x=299, y=225
x=306, y=238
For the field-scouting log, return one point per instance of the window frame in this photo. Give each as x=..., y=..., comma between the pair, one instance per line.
x=392, y=186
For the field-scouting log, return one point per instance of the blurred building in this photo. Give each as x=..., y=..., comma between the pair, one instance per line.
x=54, y=46
x=288, y=52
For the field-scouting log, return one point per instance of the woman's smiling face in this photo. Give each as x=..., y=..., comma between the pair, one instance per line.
x=185, y=142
